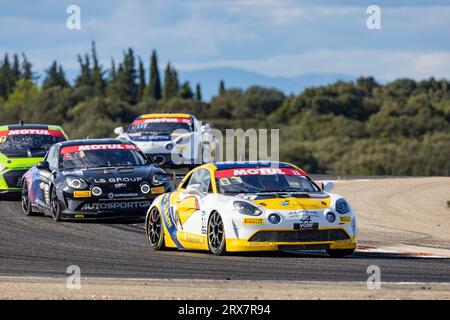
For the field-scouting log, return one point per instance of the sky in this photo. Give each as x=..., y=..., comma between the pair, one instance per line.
x=275, y=38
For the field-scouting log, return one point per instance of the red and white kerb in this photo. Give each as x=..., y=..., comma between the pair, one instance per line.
x=258, y=171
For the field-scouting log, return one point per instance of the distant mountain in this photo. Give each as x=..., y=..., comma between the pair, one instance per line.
x=240, y=78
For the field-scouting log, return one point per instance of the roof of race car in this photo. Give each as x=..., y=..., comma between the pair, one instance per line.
x=165, y=115
x=85, y=142
x=246, y=164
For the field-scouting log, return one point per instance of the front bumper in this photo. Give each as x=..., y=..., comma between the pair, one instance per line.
x=279, y=240
x=11, y=180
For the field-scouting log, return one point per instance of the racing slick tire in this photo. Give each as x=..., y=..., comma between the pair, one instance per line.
x=155, y=231
x=26, y=204
x=55, y=208
x=339, y=253
x=216, y=234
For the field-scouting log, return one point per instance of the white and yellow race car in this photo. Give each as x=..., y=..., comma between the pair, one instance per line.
x=235, y=207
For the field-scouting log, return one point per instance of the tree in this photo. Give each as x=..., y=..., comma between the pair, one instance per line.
x=124, y=87
x=222, y=89
x=27, y=73
x=171, y=86
x=154, y=88
x=198, y=92
x=186, y=91
x=6, y=78
x=54, y=76
x=15, y=72
x=85, y=77
x=141, y=85
x=97, y=73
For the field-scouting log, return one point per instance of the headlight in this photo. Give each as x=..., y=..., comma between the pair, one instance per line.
x=331, y=217
x=246, y=208
x=342, y=206
x=145, y=188
x=169, y=146
x=160, y=178
x=76, y=183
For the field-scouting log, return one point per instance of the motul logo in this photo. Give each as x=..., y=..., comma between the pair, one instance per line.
x=258, y=171
x=28, y=131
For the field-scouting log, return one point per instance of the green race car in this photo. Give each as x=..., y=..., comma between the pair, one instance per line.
x=21, y=147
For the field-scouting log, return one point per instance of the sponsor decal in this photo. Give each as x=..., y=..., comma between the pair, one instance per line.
x=253, y=221
x=161, y=120
x=120, y=185
x=306, y=224
x=345, y=219
x=82, y=194
x=157, y=190
x=116, y=206
x=153, y=138
x=39, y=132
x=93, y=147
x=112, y=195
x=258, y=171
x=118, y=180
x=79, y=216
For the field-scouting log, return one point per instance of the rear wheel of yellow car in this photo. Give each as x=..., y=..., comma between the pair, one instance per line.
x=155, y=230
x=216, y=234
x=339, y=253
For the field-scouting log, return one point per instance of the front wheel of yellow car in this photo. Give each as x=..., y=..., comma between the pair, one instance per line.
x=216, y=234
x=155, y=230
x=339, y=253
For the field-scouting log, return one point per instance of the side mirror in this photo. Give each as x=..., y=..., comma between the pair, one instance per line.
x=205, y=127
x=195, y=189
x=327, y=186
x=118, y=131
x=43, y=165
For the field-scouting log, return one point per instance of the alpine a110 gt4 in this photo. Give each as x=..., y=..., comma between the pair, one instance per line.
x=231, y=207
x=99, y=178
x=21, y=147
x=172, y=139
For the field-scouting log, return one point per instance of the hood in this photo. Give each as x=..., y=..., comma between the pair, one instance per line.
x=292, y=202
x=113, y=175
x=15, y=161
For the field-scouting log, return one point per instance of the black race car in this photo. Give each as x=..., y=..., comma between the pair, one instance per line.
x=92, y=179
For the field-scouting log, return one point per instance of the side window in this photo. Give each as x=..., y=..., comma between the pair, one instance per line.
x=52, y=158
x=203, y=178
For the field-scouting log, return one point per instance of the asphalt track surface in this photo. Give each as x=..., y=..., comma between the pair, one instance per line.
x=37, y=246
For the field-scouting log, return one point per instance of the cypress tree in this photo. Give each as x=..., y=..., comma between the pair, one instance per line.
x=97, y=73
x=141, y=86
x=85, y=77
x=15, y=72
x=198, y=92
x=154, y=88
x=27, y=73
x=186, y=91
x=6, y=78
x=168, y=91
x=222, y=89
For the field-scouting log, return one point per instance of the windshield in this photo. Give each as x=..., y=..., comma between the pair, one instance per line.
x=103, y=155
x=255, y=180
x=28, y=142
x=160, y=125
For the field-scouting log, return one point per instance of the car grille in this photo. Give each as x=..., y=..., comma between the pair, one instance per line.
x=300, y=236
x=14, y=178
